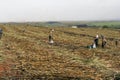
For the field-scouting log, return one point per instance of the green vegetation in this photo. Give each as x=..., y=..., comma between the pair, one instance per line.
x=106, y=24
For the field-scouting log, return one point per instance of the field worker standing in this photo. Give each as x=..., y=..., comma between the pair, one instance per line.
x=96, y=40
x=116, y=43
x=51, y=36
x=104, y=41
x=1, y=32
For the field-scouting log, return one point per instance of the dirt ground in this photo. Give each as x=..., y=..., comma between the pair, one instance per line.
x=25, y=53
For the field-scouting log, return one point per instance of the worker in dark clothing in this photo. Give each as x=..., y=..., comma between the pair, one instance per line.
x=104, y=42
x=116, y=43
x=96, y=40
x=1, y=32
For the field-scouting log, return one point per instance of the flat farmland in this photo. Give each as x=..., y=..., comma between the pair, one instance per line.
x=26, y=53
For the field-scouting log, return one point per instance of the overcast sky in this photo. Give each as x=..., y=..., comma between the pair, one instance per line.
x=52, y=10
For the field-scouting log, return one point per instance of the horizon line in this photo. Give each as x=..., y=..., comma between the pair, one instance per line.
x=59, y=21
